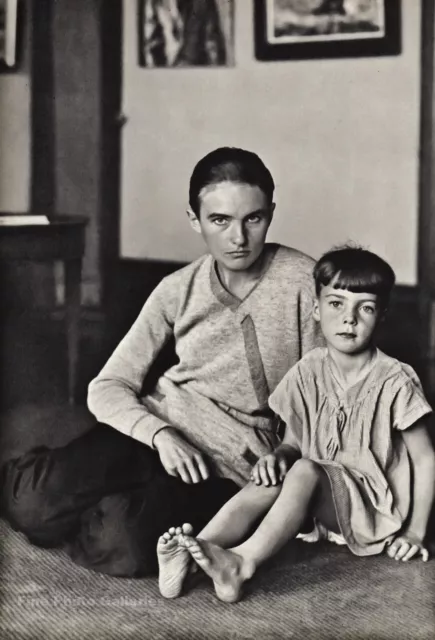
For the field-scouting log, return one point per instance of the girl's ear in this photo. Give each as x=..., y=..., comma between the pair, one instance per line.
x=316, y=312
x=382, y=315
x=194, y=222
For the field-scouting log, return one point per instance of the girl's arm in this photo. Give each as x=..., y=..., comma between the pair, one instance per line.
x=272, y=468
x=422, y=456
x=290, y=446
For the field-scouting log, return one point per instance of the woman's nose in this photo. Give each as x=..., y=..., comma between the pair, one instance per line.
x=238, y=236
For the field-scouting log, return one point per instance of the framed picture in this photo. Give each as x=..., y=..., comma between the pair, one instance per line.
x=8, y=34
x=307, y=29
x=186, y=33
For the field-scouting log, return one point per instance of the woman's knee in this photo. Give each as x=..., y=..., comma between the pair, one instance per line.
x=25, y=502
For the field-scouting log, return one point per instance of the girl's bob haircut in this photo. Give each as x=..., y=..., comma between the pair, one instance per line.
x=357, y=270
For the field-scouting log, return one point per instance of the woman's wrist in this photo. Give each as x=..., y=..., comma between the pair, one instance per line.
x=159, y=434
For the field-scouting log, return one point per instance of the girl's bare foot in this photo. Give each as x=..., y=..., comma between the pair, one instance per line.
x=228, y=570
x=174, y=561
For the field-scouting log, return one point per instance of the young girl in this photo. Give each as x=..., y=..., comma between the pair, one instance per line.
x=355, y=456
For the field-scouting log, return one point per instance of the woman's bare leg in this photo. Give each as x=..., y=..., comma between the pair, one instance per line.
x=229, y=569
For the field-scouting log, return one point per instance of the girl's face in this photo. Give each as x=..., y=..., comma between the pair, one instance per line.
x=348, y=320
x=233, y=220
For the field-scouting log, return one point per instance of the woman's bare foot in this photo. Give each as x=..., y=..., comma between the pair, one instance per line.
x=174, y=561
x=228, y=570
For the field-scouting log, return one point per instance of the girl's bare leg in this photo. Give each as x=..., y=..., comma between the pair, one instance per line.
x=235, y=519
x=229, y=569
x=228, y=527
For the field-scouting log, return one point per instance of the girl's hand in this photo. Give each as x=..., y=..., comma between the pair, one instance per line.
x=407, y=546
x=270, y=469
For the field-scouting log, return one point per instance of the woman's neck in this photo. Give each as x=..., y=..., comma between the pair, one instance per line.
x=348, y=368
x=241, y=283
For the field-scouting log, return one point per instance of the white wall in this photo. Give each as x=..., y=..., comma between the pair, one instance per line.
x=15, y=133
x=340, y=137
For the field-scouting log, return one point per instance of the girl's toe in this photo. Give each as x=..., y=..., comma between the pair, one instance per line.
x=187, y=528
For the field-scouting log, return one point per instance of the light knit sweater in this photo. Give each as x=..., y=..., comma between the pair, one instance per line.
x=232, y=354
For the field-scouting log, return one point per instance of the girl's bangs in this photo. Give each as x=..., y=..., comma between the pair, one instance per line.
x=358, y=281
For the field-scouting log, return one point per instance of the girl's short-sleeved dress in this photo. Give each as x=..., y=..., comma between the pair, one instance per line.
x=355, y=434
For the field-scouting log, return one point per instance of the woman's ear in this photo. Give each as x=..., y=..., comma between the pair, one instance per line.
x=316, y=312
x=193, y=219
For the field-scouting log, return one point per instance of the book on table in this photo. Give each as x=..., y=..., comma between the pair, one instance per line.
x=22, y=219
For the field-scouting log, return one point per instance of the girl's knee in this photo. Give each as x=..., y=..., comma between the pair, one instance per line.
x=307, y=468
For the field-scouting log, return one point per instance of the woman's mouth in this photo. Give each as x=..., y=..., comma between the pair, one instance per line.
x=347, y=336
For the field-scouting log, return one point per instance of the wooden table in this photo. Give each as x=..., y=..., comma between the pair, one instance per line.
x=61, y=240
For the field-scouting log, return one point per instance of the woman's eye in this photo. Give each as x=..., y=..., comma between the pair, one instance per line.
x=220, y=221
x=335, y=303
x=368, y=309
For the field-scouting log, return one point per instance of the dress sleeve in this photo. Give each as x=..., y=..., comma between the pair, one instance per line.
x=409, y=405
x=287, y=401
x=114, y=395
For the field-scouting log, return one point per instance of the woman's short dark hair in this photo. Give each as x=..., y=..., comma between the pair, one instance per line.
x=355, y=269
x=233, y=165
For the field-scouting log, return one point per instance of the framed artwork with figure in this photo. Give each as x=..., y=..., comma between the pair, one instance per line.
x=313, y=29
x=185, y=33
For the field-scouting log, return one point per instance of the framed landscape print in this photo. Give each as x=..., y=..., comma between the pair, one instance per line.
x=304, y=29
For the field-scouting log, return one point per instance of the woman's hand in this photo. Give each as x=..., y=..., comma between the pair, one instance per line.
x=180, y=458
x=271, y=468
x=406, y=546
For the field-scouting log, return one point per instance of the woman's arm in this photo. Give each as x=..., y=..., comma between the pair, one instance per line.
x=113, y=396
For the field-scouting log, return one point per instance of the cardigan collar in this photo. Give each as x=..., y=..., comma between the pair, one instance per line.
x=227, y=298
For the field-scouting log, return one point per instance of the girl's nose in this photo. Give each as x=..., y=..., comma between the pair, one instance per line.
x=350, y=317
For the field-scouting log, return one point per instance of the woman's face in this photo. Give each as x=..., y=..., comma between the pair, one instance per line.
x=233, y=220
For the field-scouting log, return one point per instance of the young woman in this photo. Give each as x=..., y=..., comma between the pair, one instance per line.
x=356, y=454
x=240, y=317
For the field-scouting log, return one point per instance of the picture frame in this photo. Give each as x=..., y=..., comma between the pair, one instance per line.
x=315, y=29
x=9, y=10
x=185, y=33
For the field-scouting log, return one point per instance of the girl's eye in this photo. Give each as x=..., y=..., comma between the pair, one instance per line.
x=368, y=309
x=335, y=303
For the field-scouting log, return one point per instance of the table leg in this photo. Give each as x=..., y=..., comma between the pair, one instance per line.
x=73, y=272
